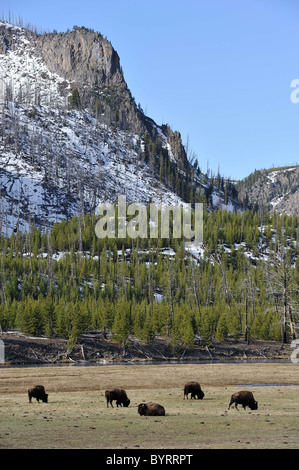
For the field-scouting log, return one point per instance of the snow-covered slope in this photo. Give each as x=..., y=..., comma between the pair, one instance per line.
x=23, y=76
x=275, y=189
x=56, y=162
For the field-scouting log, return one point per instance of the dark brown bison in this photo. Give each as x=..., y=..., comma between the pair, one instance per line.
x=244, y=398
x=38, y=392
x=195, y=390
x=117, y=394
x=151, y=409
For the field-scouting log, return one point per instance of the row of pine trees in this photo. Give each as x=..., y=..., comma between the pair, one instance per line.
x=67, y=281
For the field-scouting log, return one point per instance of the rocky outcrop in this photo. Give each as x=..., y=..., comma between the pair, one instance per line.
x=81, y=56
x=64, y=108
x=92, y=66
x=175, y=141
x=88, y=65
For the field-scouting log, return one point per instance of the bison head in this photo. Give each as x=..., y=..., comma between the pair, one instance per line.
x=126, y=402
x=142, y=409
x=253, y=406
x=45, y=398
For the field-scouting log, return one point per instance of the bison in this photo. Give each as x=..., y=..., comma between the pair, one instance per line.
x=151, y=409
x=117, y=394
x=38, y=392
x=244, y=398
x=195, y=390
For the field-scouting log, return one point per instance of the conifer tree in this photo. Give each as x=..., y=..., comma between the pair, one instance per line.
x=222, y=329
x=75, y=101
x=122, y=322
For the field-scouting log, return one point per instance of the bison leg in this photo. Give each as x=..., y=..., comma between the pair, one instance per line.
x=231, y=402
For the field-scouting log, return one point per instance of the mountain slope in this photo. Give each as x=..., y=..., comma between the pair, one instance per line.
x=58, y=160
x=71, y=134
x=274, y=189
x=54, y=165
x=47, y=69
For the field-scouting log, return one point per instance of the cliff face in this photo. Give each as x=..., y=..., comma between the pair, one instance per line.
x=81, y=56
x=86, y=63
x=92, y=66
x=175, y=142
x=71, y=134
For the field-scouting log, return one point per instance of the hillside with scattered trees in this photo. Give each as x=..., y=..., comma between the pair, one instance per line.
x=243, y=283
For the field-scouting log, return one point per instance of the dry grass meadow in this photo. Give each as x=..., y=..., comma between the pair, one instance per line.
x=76, y=416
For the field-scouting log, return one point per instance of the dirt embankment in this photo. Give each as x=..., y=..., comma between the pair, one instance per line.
x=19, y=349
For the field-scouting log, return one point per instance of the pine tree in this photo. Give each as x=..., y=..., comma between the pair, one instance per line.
x=222, y=329
x=75, y=101
x=122, y=322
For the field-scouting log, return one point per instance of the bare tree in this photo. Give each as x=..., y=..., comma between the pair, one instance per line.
x=282, y=286
x=247, y=289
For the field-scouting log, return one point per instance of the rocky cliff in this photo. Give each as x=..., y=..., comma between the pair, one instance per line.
x=71, y=134
x=86, y=63
x=92, y=66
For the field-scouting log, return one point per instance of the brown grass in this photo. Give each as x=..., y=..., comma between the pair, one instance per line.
x=77, y=417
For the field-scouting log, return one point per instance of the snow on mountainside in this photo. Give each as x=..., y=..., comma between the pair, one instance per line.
x=71, y=135
x=23, y=76
x=56, y=162
x=274, y=189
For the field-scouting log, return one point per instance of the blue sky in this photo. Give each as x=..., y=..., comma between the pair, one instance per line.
x=218, y=71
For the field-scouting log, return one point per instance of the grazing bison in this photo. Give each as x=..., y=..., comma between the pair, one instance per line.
x=38, y=392
x=151, y=409
x=195, y=390
x=243, y=398
x=117, y=394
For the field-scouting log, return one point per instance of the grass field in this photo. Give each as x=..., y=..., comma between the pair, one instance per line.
x=76, y=416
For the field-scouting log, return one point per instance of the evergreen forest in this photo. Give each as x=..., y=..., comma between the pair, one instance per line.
x=242, y=284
